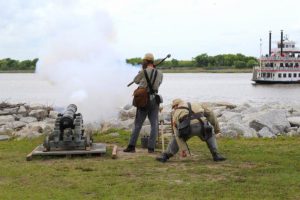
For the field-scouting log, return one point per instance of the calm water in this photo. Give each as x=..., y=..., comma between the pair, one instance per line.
x=236, y=88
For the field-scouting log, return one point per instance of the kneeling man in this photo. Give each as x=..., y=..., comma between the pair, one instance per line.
x=190, y=120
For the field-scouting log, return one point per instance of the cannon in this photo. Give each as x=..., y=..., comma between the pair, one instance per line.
x=68, y=133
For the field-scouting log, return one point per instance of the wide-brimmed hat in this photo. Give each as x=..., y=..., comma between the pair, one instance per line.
x=176, y=102
x=149, y=56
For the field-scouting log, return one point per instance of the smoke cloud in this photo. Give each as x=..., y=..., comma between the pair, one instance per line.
x=80, y=61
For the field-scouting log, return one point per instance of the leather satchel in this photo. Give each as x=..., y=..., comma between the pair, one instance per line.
x=140, y=97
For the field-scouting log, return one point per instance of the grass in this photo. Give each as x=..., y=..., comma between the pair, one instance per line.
x=255, y=169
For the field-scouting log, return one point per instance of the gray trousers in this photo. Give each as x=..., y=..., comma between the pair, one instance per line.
x=151, y=110
x=173, y=148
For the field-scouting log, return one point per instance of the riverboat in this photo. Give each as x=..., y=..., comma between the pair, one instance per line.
x=281, y=65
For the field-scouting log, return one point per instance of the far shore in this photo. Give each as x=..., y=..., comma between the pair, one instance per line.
x=173, y=70
x=203, y=70
x=17, y=71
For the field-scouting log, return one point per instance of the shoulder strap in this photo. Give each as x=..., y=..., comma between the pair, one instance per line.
x=148, y=81
x=155, y=75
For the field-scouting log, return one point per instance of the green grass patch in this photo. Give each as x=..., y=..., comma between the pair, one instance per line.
x=255, y=169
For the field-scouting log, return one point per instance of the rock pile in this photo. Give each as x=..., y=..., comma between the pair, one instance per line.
x=26, y=120
x=245, y=120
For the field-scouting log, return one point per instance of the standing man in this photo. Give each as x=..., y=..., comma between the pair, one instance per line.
x=151, y=109
x=192, y=120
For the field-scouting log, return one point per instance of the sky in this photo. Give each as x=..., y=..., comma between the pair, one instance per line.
x=183, y=28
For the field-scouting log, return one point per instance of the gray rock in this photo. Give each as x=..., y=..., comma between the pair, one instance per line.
x=127, y=114
x=116, y=124
x=145, y=131
x=39, y=125
x=228, y=115
x=39, y=114
x=17, y=116
x=2, y=112
x=49, y=120
x=237, y=129
x=292, y=129
x=128, y=107
x=6, y=119
x=219, y=110
x=53, y=114
x=28, y=132
x=36, y=106
x=28, y=119
x=266, y=133
x=16, y=125
x=226, y=104
x=4, y=137
x=11, y=110
x=275, y=120
x=292, y=133
x=294, y=121
x=4, y=130
x=22, y=110
x=165, y=116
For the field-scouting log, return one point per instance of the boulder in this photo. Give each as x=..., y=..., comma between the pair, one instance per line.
x=165, y=116
x=16, y=125
x=116, y=124
x=11, y=110
x=238, y=130
x=275, y=120
x=5, y=130
x=28, y=132
x=39, y=125
x=36, y=106
x=28, y=119
x=6, y=119
x=22, y=110
x=53, y=114
x=226, y=104
x=145, y=131
x=127, y=114
x=266, y=133
x=2, y=112
x=218, y=111
x=228, y=115
x=39, y=114
x=127, y=107
x=294, y=121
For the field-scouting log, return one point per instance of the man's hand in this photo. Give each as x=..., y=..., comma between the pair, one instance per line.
x=218, y=135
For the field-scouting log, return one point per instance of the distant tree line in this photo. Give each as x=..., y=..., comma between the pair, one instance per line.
x=8, y=64
x=206, y=61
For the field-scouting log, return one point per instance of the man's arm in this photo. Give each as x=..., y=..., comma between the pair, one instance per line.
x=138, y=77
x=211, y=117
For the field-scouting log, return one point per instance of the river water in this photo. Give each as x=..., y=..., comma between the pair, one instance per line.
x=235, y=88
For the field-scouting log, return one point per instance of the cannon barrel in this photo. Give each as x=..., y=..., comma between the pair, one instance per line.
x=68, y=117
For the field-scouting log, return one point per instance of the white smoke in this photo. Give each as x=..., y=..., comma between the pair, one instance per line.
x=80, y=61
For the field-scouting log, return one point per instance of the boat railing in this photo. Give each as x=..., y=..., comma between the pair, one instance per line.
x=280, y=58
x=278, y=68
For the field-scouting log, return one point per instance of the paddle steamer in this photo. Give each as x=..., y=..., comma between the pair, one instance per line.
x=281, y=65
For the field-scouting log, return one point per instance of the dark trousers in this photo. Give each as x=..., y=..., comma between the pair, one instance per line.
x=173, y=147
x=151, y=110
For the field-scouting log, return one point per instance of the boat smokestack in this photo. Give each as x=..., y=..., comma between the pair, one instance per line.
x=281, y=43
x=270, y=38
